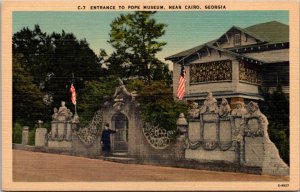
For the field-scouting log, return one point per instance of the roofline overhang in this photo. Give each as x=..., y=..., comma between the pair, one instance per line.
x=260, y=47
x=226, y=94
x=237, y=55
x=249, y=33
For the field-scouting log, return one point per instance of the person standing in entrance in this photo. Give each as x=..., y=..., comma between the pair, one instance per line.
x=105, y=139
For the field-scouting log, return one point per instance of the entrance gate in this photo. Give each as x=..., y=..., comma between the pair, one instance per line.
x=120, y=138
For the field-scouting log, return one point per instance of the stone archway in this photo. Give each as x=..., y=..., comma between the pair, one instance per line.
x=120, y=138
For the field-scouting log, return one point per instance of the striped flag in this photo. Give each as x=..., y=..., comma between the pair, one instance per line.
x=73, y=91
x=181, y=84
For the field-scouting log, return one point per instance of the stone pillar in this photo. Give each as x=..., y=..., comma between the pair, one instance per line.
x=75, y=122
x=69, y=131
x=25, y=134
x=61, y=130
x=53, y=129
x=40, y=137
x=194, y=131
x=181, y=138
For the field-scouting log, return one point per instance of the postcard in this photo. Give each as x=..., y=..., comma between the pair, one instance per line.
x=150, y=95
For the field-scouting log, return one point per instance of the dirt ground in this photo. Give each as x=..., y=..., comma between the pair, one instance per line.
x=34, y=166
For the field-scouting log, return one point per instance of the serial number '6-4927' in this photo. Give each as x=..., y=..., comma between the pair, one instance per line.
x=283, y=185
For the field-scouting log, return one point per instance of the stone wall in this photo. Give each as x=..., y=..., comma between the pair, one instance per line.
x=216, y=134
x=145, y=151
x=138, y=146
x=240, y=136
x=80, y=149
x=211, y=139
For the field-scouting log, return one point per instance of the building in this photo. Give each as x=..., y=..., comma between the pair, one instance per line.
x=237, y=63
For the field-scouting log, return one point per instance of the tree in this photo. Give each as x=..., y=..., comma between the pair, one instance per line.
x=276, y=108
x=92, y=99
x=35, y=47
x=27, y=97
x=135, y=39
x=52, y=59
x=69, y=58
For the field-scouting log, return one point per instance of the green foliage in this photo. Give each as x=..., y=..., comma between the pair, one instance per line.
x=31, y=137
x=27, y=97
x=276, y=108
x=17, y=133
x=157, y=104
x=134, y=37
x=92, y=98
x=44, y=64
x=160, y=72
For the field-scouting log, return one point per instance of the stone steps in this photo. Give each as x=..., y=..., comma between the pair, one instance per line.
x=120, y=154
x=120, y=157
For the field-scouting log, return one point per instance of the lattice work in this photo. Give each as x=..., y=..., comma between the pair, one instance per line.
x=248, y=75
x=158, y=138
x=89, y=134
x=211, y=72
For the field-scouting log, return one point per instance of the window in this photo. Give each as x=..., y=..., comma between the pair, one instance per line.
x=237, y=39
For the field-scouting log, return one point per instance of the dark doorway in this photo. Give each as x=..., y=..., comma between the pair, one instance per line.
x=120, y=139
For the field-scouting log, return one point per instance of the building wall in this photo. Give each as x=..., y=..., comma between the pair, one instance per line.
x=234, y=85
x=176, y=74
x=247, y=88
x=214, y=86
x=187, y=80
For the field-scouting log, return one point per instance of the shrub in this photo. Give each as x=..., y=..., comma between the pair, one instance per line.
x=17, y=133
x=276, y=108
x=31, y=139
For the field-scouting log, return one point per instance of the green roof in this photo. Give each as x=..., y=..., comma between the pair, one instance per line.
x=269, y=32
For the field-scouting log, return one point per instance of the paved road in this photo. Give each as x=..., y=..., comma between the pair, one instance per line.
x=34, y=166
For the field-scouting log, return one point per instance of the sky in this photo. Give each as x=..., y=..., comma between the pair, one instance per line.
x=185, y=29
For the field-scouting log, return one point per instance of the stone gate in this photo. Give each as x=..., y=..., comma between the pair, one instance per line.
x=134, y=138
x=212, y=133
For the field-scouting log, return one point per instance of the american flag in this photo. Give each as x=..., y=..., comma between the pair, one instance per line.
x=73, y=91
x=181, y=84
